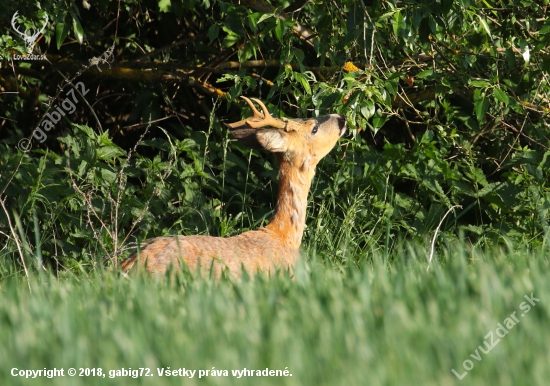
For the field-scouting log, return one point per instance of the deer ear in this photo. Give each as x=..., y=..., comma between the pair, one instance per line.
x=275, y=141
x=269, y=139
x=247, y=137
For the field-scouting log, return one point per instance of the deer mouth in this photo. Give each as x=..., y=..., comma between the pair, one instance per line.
x=341, y=124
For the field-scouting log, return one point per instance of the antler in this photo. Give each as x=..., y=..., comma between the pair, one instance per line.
x=29, y=39
x=43, y=27
x=258, y=119
x=13, y=20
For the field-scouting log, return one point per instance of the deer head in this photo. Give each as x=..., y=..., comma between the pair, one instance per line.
x=29, y=39
x=300, y=141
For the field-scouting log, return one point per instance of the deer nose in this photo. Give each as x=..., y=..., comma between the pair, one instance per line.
x=341, y=124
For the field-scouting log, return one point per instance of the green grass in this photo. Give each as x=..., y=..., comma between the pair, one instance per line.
x=383, y=323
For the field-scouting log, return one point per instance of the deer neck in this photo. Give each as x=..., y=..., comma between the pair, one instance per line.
x=290, y=211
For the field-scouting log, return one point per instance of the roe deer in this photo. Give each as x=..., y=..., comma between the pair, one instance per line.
x=299, y=145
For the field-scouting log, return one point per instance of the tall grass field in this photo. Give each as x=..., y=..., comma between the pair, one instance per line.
x=470, y=318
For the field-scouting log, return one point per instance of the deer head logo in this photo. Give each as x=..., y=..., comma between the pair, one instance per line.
x=29, y=39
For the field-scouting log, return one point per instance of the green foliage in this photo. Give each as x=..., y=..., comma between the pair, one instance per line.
x=447, y=104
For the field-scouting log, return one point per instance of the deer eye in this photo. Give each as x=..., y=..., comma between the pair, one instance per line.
x=315, y=128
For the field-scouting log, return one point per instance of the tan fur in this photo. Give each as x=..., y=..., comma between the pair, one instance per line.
x=275, y=247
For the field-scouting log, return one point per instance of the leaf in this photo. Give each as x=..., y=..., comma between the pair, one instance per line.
x=479, y=83
x=213, y=32
x=329, y=100
x=77, y=28
x=61, y=31
x=229, y=40
x=302, y=79
x=431, y=183
x=368, y=109
x=485, y=25
x=397, y=23
x=487, y=189
x=427, y=137
x=391, y=87
x=164, y=5
x=545, y=163
x=86, y=129
x=379, y=119
x=265, y=16
x=545, y=29
x=526, y=55
x=109, y=152
x=525, y=50
x=247, y=52
x=431, y=23
x=508, y=193
x=76, y=10
x=416, y=17
x=279, y=30
x=478, y=230
x=425, y=74
x=510, y=58
x=299, y=54
x=424, y=30
x=107, y=176
x=481, y=105
x=501, y=96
